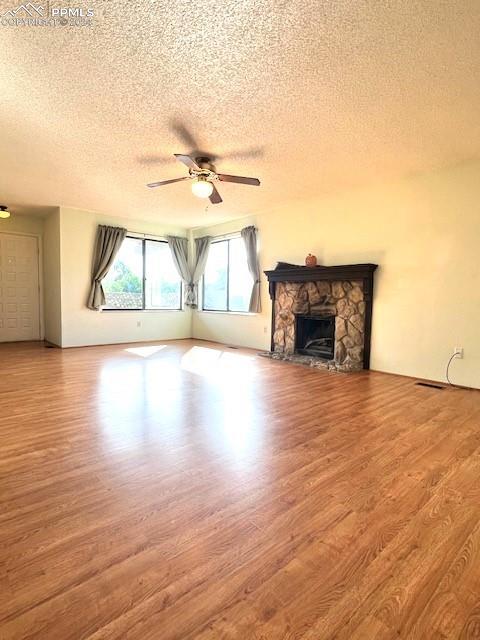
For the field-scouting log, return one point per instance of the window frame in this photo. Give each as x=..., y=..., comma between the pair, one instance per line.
x=144, y=309
x=233, y=236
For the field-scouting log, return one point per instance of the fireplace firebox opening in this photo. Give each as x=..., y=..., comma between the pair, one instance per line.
x=315, y=336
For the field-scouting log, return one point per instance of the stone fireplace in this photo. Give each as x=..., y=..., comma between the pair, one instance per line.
x=321, y=316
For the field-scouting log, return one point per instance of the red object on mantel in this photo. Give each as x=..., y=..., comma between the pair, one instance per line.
x=311, y=261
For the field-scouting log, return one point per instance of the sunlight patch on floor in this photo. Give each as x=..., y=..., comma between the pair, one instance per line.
x=146, y=352
x=213, y=363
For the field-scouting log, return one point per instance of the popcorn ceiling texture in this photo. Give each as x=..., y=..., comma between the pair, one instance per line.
x=311, y=96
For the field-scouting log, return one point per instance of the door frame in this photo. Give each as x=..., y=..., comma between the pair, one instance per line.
x=38, y=237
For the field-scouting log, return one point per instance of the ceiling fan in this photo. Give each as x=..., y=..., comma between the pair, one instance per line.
x=202, y=173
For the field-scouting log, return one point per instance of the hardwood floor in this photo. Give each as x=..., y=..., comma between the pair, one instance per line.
x=181, y=490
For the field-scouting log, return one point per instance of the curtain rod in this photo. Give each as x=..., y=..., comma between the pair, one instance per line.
x=232, y=234
x=149, y=235
x=223, y=236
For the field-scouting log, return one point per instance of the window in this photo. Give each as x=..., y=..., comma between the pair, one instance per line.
x=123, y=285
x=163, y=287
x=227, y=283
x=143, y=276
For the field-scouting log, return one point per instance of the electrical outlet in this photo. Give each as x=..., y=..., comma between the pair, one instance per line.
x=459, y=352
x=265, y=329
x=139, y=323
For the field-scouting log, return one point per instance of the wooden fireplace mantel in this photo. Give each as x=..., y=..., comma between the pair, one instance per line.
x=312, y=274
x=294, y=273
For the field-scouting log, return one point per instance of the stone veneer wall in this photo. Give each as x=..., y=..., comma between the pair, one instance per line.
x=344, y=300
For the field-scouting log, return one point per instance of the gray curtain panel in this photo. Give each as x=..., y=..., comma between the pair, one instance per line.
x=249, y=235
x=202, y=247
x=108, y=242
x=179, y=249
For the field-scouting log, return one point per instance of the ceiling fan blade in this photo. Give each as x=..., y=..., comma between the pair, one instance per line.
x=188, y=161
x=255, y=182
x=215, y=197
x=159, y=184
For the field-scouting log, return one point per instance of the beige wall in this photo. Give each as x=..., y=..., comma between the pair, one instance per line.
x=81, y=326
x=32, y=225
x=423, y=232
x=52, y=278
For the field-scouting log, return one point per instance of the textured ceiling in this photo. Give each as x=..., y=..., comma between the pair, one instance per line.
x=311, y=96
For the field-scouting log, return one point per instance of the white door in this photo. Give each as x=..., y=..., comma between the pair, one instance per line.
x=19, y=297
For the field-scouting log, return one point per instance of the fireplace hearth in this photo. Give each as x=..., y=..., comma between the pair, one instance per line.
x=315, y=336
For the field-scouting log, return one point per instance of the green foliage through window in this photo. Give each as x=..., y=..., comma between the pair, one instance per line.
x=125, y=279
x=143, y=264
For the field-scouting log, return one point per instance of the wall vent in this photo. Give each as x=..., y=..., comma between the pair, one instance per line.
x=430, y=385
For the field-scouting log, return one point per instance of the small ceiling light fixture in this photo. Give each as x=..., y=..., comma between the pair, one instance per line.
x=4, y=212
x=202, y=187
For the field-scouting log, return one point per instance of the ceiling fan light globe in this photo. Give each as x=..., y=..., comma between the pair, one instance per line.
x=202, y=188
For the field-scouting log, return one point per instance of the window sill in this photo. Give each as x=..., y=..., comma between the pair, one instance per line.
x=142, y=310
x=228, y=313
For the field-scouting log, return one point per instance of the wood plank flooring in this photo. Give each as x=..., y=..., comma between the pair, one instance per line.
x=187, y=491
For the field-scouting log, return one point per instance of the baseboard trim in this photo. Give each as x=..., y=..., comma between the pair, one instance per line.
x=426, y=380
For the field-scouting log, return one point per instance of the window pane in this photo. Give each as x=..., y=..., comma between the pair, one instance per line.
x=163, y=288
x=123, y=285
x=215, y=277
x=240, y=280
